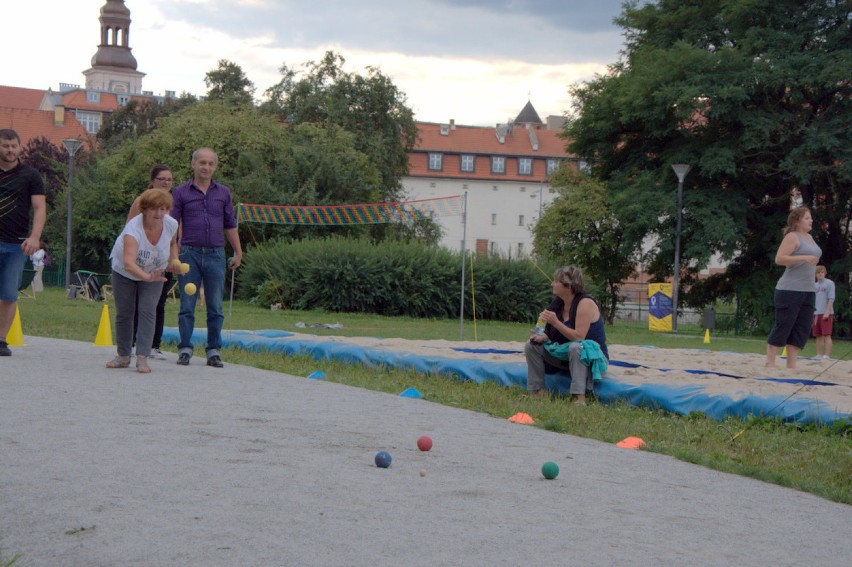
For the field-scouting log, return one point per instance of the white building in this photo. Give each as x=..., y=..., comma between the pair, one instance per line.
x=503, y=170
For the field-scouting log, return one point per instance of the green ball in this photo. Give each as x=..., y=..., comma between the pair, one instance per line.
x=550, y=470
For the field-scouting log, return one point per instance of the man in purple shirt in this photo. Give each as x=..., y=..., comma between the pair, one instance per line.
x=206, y=215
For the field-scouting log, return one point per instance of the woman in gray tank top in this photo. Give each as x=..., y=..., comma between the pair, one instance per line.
x=794, y=292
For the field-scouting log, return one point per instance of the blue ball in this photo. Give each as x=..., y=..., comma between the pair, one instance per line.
x=383, y=459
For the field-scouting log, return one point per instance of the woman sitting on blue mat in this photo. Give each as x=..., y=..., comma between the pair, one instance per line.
x=572, y=317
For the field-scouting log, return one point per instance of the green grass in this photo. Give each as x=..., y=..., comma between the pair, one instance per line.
x=815, y=459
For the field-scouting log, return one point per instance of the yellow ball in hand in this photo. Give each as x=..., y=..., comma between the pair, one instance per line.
x=189, y=288
x=184, y=268
x=176, y=262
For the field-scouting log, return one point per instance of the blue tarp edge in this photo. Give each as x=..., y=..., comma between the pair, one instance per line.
x=682, y=400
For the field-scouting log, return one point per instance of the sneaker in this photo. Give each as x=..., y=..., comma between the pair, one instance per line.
x=183, y=359
x=826, y=357
x=215, y=361
x=157, y=354
x=4, y=349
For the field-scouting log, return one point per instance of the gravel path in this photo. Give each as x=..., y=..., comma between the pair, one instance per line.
x=239, y=466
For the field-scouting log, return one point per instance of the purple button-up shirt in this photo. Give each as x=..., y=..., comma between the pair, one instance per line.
x=204, y=217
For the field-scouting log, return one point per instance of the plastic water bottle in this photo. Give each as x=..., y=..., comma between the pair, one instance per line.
x=539, y=327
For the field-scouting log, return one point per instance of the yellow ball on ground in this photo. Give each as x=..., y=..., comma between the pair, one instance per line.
x=189, y=288
x=184, y=268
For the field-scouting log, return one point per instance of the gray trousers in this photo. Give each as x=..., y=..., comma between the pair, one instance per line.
x=581, y=375
x=126, y=293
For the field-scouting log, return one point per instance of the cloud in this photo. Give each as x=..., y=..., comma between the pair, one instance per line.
x=476, y=61
x=546, y=31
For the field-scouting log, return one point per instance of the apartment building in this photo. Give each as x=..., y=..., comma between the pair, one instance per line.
x=502, y=171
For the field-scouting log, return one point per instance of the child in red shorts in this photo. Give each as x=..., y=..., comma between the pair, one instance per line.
x=823, y=313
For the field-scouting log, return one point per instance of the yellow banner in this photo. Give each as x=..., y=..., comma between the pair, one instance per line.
x=660, y=307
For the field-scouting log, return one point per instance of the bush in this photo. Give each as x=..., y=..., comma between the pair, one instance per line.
x=389, y=278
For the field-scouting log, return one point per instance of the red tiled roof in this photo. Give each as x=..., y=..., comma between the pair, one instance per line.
x=482, y=143
x=483, y=140
x=107, y=102
x=18, y=97
x=31, y=124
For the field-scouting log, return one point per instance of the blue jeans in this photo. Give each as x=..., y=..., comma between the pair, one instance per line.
x=12, y=260
x=206, y=266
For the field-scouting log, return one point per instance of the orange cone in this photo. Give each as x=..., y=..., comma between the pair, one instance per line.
x=522, y=418
x=631, y=443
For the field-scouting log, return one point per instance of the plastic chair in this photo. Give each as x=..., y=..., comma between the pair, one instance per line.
x=88, y=286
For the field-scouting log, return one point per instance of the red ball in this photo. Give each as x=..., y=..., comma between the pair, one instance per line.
x=424, y=443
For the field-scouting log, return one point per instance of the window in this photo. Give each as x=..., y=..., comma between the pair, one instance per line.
x=91, y=121
x=584, y=166
x=524, y=166
x=520, y=249
x=498, y=164
x=435, y=161
x=520, y=220
x=92, y=96
x=552, y=165
x=123, y=99
x=467, y=162
x=523, y=189
x=493, y=219
x=492, y=247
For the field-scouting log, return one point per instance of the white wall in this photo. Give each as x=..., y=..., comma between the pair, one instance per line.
x=508, y=201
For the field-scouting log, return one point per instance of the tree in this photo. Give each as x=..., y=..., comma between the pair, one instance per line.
x=371, y=107
x=582, y=227
x=137, y=118
x=260, y=159
x=755, y=95
x=50, y=161
x=228, y=84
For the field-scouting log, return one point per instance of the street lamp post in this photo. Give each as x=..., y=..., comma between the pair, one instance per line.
x=71, y=146
x=680, y=170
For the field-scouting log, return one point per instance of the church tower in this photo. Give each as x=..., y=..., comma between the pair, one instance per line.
x=113, y=65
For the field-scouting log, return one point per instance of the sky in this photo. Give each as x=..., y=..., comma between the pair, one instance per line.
x=475, y=61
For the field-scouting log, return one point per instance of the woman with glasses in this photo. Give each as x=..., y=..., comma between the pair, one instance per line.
x=572, y=318
x=161, y=178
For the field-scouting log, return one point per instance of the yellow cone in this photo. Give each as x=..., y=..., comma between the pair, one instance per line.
x=784, y=352
x=104, y=336
x=16, y=333
x=707, y=336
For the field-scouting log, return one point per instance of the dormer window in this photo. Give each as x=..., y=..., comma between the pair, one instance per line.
x=498, y=164
x=93, y=96
x=123, y=99
x=436, y=161
x=467, y=162
x=445, y=129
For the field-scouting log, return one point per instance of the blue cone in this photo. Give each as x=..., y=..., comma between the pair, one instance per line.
x=317, y=375
x=411, y=393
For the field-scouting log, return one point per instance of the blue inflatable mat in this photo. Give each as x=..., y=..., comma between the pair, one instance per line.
x=682, y=400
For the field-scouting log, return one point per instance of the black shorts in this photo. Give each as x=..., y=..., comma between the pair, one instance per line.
x=794, y=311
